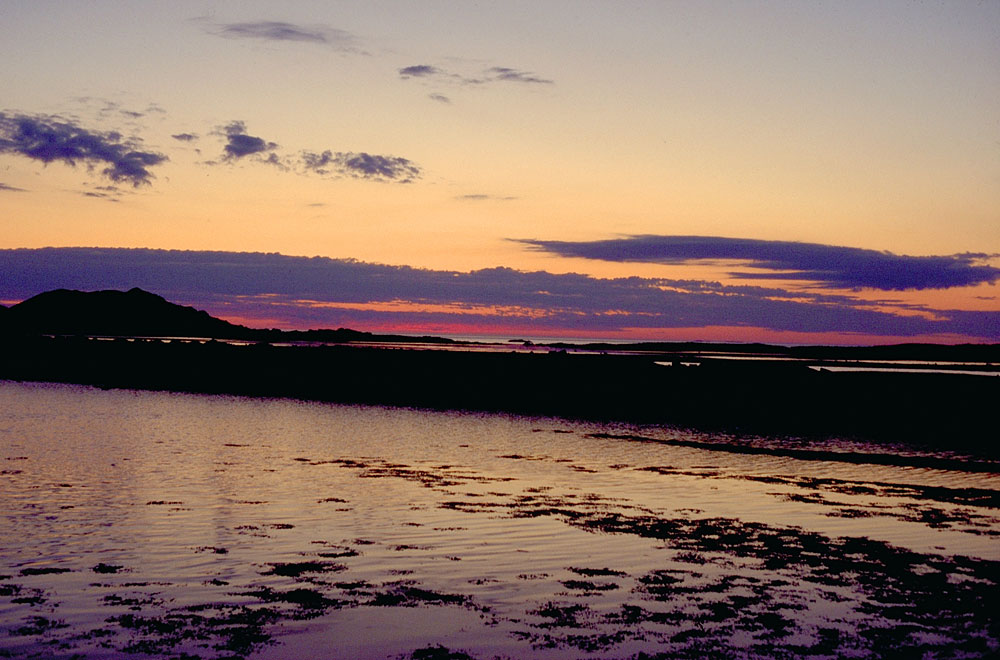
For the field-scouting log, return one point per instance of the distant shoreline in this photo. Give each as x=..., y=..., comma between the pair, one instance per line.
x=756, y=397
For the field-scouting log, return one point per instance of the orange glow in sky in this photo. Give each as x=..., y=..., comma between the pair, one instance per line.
x=409, y=134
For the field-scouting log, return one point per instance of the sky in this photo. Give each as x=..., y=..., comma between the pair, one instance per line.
x=823, y=172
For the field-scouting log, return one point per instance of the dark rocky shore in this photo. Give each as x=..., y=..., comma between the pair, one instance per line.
x=742, y=396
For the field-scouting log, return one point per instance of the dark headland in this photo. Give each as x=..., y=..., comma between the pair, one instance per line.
x=136, y=339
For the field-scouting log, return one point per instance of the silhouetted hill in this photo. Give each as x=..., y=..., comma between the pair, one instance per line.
x=138, y=313
x=133, y=313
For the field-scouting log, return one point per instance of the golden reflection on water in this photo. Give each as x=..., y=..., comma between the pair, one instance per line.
x=304, y=527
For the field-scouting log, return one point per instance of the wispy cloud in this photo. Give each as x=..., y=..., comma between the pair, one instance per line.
x=272, y=30
x=185, y=137
x=326, y=292
x=440, y=98
x=108, y=197
x=49, y=139
x=107, y=193
x=482, y=197
x=493, y=74
x=6, y=188
x=827, y=265
x=515, y=75
x=103, y=108
x=279, y=31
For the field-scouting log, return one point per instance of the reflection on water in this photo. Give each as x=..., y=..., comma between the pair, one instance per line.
x=189, y=526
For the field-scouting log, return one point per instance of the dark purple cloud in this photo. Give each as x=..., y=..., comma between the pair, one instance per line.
x=185, y=137
x=419, y=71
x=372, y=166
x=361, y=166
x=5, y=188
x=319, y=163
x=828, y=265
x=239, y=144
x=52, y=139
x=358, y=165
x=273, y=285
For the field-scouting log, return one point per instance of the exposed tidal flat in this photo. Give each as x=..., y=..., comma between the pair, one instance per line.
x=169, y=525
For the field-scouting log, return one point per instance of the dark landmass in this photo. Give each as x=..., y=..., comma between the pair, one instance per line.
x=985, y=353
x=138, y=313
x=122, y=313
x=788, y=398
x=43, y=343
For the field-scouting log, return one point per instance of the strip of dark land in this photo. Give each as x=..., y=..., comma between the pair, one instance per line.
x=109, y=339
x=943, y=410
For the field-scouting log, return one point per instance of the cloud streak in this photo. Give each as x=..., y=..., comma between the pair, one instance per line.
x=322, y=292
x=281, y=31
x=272, y=31
x=51, y=139
x=829, y=266
x=514, y=75
x=493, y=74
x=482, y=197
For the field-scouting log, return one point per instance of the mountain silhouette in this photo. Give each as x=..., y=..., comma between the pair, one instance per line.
x=133, y=313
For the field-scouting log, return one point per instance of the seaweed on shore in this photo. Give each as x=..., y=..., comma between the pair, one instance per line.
x=300, y=568
x=880, y=586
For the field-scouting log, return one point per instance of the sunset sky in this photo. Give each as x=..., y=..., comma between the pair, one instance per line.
x=800, y=172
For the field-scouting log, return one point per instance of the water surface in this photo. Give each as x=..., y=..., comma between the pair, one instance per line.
x=173, y=525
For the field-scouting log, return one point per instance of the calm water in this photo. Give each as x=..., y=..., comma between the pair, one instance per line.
x=166, y=525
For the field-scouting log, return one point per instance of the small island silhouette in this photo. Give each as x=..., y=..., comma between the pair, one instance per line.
x=136, y=339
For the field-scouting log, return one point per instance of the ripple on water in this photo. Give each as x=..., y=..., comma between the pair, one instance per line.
x=164, y=525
